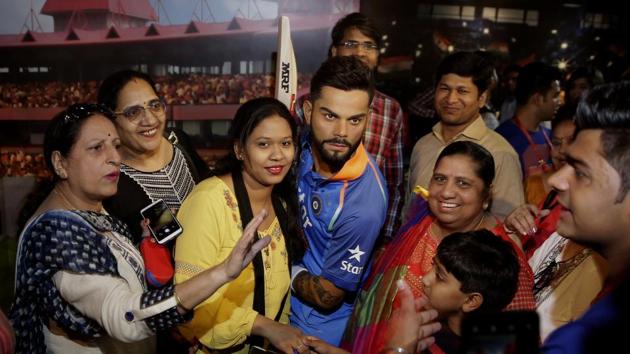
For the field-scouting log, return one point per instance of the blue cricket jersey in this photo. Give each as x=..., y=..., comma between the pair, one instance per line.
x=342, y=217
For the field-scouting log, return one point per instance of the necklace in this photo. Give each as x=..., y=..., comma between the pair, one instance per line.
x=66, y=202
x=434, y=225
x=64, y=199
x=553, y=270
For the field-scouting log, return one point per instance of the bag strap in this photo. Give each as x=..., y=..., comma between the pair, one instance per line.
x=284, y=300
x=282, y=216
x=245, y=210
x=283, y=220
x=174, y=140
x=520, y=126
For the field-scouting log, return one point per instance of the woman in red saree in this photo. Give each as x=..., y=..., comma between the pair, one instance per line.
x=458, y=200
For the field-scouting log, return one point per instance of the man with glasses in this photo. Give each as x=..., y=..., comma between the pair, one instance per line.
x=356, y=35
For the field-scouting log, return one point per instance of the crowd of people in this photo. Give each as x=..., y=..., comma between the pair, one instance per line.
x=16, y=162
x=304, y=238
x=46, y=94
x=198, y=89
x=19, y=163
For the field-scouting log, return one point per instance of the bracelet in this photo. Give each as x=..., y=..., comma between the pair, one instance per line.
x=179, y=302
x=389, y=350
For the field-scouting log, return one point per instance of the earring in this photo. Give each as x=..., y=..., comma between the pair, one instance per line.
x=485, y=206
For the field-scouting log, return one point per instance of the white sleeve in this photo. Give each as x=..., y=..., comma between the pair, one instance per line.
x=107, y=300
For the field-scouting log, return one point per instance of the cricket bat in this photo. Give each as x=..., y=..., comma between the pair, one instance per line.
x=286, y=70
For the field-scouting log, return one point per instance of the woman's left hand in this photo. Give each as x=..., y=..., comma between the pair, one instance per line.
x=286, y=339
x=523, y=220
x=246, y=248
x=318, y=346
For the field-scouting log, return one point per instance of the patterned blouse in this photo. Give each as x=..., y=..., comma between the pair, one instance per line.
x=172, y=183
x=137, y=189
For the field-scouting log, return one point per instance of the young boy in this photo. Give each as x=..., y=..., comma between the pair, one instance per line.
x=472, y=271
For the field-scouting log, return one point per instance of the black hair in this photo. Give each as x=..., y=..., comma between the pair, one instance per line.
x=63, y=130
x=481, y=157
x=483, y=263
x=560, y=118
x=344, y=73
x=359, y=21
x=248, y=116
x=467, y=64
x=511, y=68
x=607, y=108
x=565, y=112
x=111, y=86
x=593, y=76
x=61, y=135
x=534, y=78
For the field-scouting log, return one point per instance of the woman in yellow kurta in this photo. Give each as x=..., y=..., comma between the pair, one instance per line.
x=264, y=137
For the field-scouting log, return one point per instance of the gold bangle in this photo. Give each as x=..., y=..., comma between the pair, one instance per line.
x=179, y=302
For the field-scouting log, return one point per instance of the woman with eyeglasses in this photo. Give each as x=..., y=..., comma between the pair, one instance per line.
x=80, y=284
x=152, y=167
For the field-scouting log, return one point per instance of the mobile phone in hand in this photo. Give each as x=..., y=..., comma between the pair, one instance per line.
x=502, y=332
x=254, y=349
x=162, y=222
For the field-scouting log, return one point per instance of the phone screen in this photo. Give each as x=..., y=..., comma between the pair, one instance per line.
x=162, y=223
x=501, y=333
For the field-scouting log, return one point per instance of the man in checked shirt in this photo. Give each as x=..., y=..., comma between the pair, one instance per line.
x=357, y=35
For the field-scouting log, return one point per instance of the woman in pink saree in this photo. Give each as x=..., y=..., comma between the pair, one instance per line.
x=458, y=200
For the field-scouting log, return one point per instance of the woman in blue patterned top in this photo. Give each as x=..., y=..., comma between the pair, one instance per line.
x=80, y=283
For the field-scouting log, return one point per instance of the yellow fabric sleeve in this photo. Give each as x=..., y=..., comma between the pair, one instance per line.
x=211, y=229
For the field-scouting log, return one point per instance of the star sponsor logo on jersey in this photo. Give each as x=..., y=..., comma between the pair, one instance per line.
x=355, y=253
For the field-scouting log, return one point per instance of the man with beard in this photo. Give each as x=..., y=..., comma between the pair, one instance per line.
x=343, y=199
x=357, y=35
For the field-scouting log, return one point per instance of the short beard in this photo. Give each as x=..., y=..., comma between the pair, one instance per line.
x=334, y=160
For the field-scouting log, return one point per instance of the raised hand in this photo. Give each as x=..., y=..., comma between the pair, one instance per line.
x=411, y=326
x=246, y=248
x=523, y=220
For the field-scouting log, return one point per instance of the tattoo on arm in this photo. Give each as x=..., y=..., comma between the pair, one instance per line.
x=317, y=291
